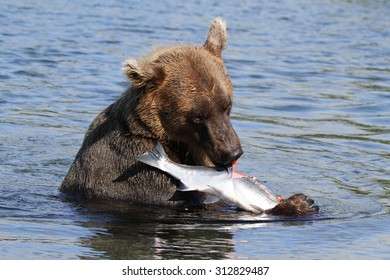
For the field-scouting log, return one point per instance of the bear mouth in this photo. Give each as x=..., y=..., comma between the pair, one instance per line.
x=200, y=157
x=225, y=165
x=226, y=160
x=205, y=160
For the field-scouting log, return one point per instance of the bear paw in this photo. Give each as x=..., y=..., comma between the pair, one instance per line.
x=296, y=205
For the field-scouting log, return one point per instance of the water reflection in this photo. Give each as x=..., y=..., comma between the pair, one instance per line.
x=144, y=233
x=160, y=241
x=123, y=231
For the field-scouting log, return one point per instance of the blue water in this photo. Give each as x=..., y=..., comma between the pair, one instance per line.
x=312, y=109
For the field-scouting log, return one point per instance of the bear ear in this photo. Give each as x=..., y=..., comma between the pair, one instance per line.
x=217, y=38
x=142, y=77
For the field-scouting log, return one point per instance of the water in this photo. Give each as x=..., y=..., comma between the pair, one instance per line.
x=312, y=109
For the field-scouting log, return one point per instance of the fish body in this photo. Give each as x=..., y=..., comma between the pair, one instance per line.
x=243, y=191
x=256, y=195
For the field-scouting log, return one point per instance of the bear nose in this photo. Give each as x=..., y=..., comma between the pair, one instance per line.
x=231, y=156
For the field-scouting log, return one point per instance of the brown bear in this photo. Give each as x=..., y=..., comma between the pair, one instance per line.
x=180, y=96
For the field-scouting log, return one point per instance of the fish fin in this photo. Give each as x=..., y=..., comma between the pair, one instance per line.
x=153, y=156
x=211, y=199
x=217, y=192
x=184, y=188
x=256, y=208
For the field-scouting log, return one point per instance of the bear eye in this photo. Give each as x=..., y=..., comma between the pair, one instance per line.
x=197, y=118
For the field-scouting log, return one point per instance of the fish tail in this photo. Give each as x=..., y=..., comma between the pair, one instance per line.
x=154, y=156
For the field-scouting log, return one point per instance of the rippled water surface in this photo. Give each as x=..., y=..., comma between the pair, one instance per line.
x=312, y=109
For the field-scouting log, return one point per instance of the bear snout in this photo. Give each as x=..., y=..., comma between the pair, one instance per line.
x=225, y=156
x=222, y=143
x=229, y=157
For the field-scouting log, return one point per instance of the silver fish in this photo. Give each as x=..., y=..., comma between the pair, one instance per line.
x=243, y=191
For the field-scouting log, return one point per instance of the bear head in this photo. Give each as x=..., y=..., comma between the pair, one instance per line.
x=185, y=95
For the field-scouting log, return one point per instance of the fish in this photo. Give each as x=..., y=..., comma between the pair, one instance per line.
x=245, y=192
